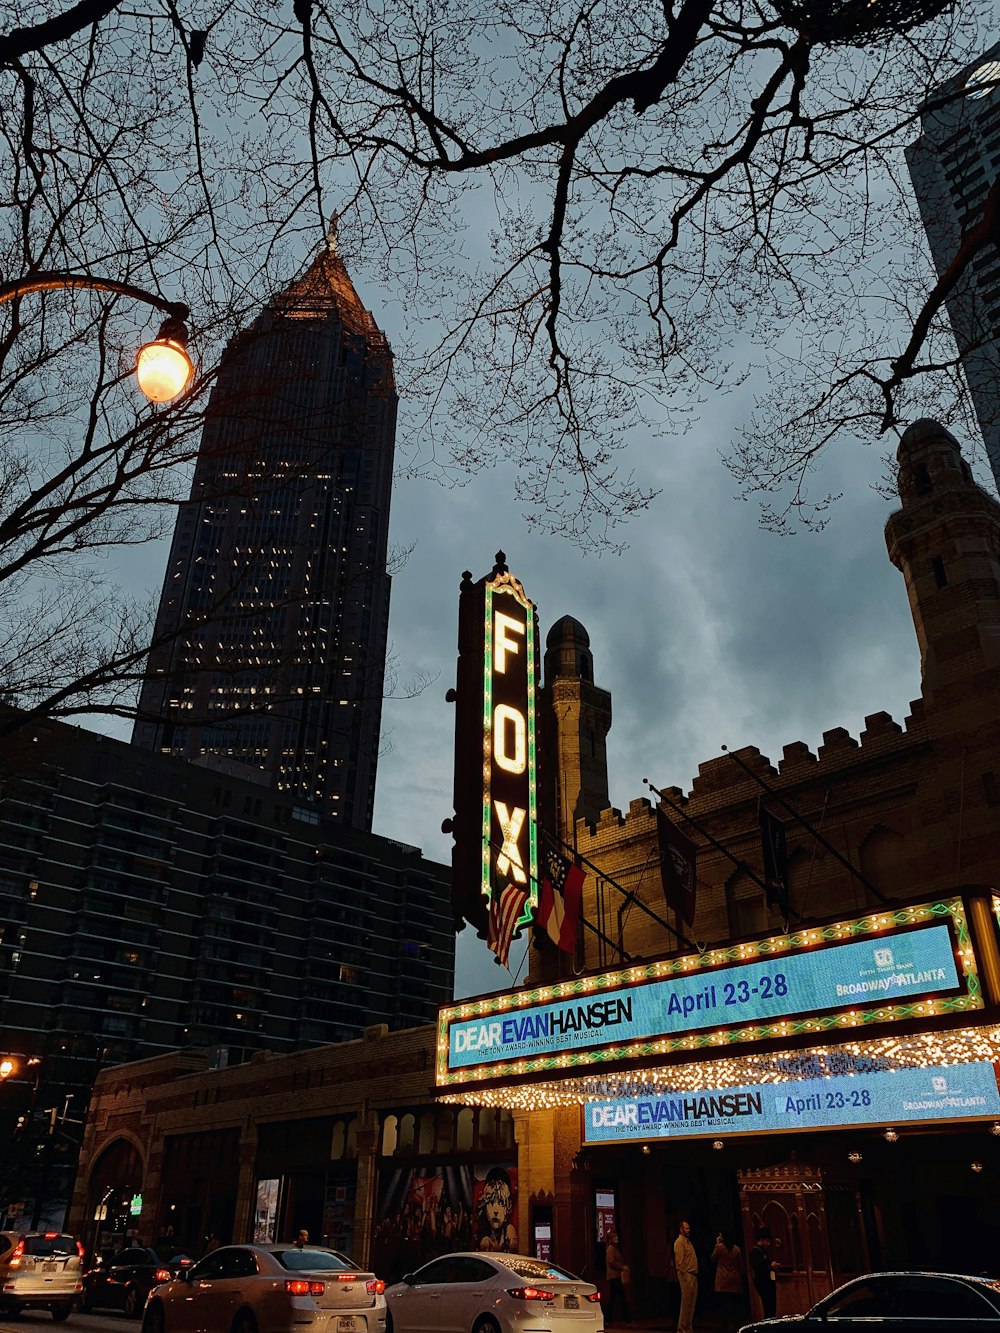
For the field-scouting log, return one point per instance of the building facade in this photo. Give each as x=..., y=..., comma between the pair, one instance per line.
x=270, y=640
x=148, y=904
x=824, y=1067
x=953, y=166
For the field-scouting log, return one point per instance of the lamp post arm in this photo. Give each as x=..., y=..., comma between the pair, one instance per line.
x=51, y=281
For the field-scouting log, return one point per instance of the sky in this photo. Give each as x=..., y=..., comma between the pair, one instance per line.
x=707, y=629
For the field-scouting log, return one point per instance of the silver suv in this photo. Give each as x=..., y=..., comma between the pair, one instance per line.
x=45, y=1273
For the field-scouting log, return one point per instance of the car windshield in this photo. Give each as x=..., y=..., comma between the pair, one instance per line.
x=312, y=1261
x=49, y=1245
x=535, y=1268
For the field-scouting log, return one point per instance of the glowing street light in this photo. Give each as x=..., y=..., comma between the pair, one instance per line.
x=163, y=367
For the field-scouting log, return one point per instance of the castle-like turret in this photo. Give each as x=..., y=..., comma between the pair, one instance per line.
x=945, y=540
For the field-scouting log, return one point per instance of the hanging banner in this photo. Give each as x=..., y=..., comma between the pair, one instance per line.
x=902, y=963
x=896, y=1097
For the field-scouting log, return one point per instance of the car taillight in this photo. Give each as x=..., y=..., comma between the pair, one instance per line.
x=347, y=1277
x=375, y=1288
x=594, y=1297
x=51, y=1235
x=18, y=1255
x=300, y=1286
x=79, y=1248
x=162, y=1275
x=531, y=1294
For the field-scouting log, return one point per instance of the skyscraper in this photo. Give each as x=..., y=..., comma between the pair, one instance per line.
x=270, y=640
x=953, y=165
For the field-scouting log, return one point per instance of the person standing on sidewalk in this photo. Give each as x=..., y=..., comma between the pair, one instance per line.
x=763, y=1268
x=686, y=1263
x=618, y=1276
x=727, y=1258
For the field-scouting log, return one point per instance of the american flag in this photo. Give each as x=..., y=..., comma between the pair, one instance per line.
x=505, y=908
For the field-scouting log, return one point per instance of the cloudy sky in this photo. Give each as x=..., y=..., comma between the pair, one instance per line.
x=707, y=630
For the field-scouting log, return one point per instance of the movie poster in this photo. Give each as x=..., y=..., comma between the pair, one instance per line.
x=424, y=1211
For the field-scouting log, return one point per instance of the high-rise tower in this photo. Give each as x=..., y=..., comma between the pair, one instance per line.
x=953, y=166
x=270, y=641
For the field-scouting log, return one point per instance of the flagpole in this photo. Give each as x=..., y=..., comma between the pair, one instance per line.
x=630, y=895
x=714, y=842
x=879, y=897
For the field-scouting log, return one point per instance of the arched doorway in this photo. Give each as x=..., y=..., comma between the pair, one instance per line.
x=114, y=1196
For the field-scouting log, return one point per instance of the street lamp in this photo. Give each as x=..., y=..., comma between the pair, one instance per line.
x=163, y=367
x=14, y=1064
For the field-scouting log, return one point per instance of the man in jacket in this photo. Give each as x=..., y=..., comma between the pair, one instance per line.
x=686, y=1263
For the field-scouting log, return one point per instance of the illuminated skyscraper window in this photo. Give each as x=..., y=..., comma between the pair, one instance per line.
x=275, y=603
x=953, y=165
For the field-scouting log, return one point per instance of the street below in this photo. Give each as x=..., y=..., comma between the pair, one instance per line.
x=86, y=1323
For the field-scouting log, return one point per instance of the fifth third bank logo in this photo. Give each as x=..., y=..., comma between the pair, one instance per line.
x=883, y=958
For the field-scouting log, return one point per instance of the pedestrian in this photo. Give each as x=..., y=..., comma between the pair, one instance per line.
x=686, y=1263
x=762, y=1269
x=302, y=1239
x=619, y=1276
x=728, y=1260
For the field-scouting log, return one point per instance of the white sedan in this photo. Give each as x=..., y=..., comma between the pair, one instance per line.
x=268, y=1289
x=493, y=1293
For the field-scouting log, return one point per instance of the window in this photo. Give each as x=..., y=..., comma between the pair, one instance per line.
x=209, y=1268
x=937, y=1298
x=312, y=1261
x=433, y=1272
x=129, y=1258
x=471, y=1270
x=859, y=1299
x=535, y=1270
x=238, y=1263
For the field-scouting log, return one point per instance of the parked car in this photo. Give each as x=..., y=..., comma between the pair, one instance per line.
x=493, y=1293
x=122, y=1281
x=44, y=1273
x=269, y=1289
x=900, y=1302
x=8, y=1243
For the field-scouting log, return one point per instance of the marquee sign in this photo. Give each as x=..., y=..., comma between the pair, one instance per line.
x=510, y=776
x=496, y=746
x=907, y=962
x=893, y=1097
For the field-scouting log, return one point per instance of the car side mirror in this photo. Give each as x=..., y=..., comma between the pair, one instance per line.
x=408, y=1279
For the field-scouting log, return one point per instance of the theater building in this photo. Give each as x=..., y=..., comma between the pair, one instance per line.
x=824, y=1066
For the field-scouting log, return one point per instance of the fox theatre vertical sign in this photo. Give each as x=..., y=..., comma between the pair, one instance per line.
x=495, y=857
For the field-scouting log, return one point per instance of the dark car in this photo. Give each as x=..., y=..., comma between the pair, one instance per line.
x=122, y=1281
x=899, y=1303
